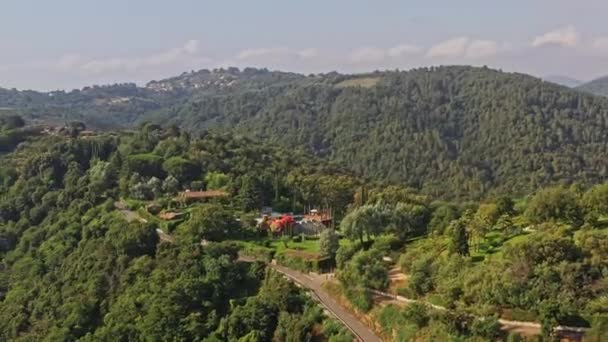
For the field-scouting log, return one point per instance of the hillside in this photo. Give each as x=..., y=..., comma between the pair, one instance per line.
x=456, y=132
x=101, y=240
x=453, y=131
x=563, y=80
x=77, y=263
x=598, y=86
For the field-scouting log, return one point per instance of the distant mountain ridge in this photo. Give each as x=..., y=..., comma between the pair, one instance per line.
x=563, y=80
x=598, y=86
x=453, y=131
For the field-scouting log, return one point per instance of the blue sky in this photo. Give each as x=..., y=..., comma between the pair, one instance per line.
x=63, y=44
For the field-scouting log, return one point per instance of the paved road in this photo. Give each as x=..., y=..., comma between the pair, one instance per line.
x=314, y=283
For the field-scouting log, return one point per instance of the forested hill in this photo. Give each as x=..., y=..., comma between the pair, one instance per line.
x=453, y=131
x=598, y=86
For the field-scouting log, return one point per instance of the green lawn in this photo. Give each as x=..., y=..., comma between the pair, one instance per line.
x=278, y=245
x=306, y=245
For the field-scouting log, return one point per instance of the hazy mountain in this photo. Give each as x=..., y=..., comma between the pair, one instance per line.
x=563, y=80
x=598, y=86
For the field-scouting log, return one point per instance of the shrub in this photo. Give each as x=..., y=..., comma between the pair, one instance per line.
x=346, y=252
x=487, y=327
x=407, y=333
x=390, y=318
x=421, y=276
x=417, y=314
x=257, y=252
x=303, y=263
x=360, y=298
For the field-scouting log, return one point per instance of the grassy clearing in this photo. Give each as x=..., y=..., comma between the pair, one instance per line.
x=310, y=246
x=363, y=82
x=306, y=245
x=279, y=246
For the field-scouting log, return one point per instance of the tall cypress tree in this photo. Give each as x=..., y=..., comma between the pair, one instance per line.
x=459, y=237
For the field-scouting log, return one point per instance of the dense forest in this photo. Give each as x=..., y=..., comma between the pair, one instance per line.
x=454, y=132
x=74, y=267
x=86, y=253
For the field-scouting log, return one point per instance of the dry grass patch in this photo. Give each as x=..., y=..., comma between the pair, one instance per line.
x=363, y=82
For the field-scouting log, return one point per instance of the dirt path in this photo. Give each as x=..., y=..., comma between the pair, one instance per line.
x=527, y=328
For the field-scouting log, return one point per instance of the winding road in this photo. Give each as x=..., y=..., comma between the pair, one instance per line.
x=315, y=282
x=312, y=282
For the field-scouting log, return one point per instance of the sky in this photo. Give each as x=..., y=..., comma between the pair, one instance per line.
x=66, y=44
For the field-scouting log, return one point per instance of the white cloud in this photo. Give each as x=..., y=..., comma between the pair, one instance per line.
x=308, y=53
x=74, y=62
x=274, y=55
x=565, y=37
x=69, y=62
x=404, y=49
x=261, y=52
x=370, y=54
x=367, y=55
x=481, y=49
x=450, y=48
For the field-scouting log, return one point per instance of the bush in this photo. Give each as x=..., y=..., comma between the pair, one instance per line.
x=345, y=253
x=303, y=264
x=331, y=328
x=406, y=292
x=421, y=276
x=197, y=186
x=386, y=244
x=390, y=318
x=487, y=327
x=360, y=298
x=407, y=333
x=417, y=314
x=257, y=252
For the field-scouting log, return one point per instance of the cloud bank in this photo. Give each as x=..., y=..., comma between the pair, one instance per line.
x=526, y=55
x=565, y=37
x=185, y=54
